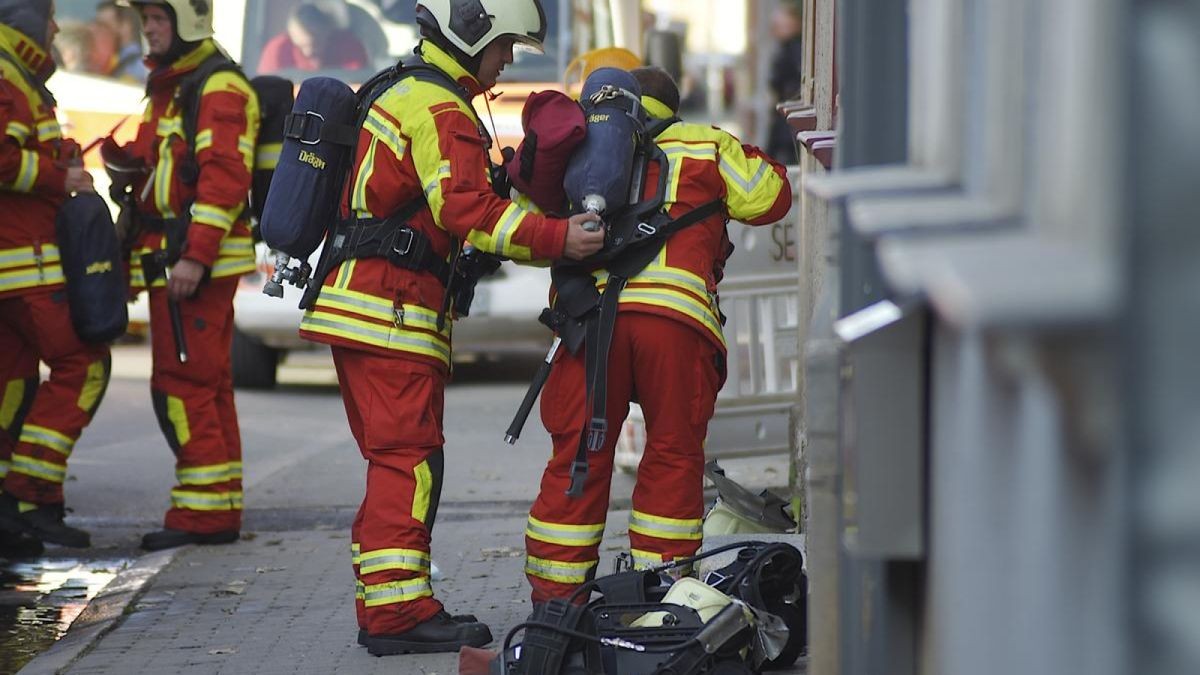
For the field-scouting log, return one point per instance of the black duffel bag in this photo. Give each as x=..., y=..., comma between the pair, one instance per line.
x=91, y=263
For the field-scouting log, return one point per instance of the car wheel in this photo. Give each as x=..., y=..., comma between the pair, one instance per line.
x=254, y=363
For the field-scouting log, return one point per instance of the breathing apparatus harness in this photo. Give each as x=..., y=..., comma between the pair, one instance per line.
x=567, y=637
x=393, y=237
x=583, y=316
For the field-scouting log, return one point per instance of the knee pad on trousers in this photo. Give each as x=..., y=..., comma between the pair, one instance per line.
x=172, y=419
x=17, y=400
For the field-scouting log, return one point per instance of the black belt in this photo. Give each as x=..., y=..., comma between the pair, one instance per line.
x=402, y=246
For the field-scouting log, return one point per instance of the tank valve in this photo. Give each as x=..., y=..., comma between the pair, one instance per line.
x=297, y=276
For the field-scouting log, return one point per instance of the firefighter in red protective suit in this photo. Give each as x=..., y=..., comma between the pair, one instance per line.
x=191, y=188
x=38, y=171
x=421, y=144
x=667, y=352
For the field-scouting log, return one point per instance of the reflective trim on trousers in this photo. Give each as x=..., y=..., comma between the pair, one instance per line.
x=386, y=559
x=395, y=592
x=659, y=527
x=558, y=571
x=563, y=534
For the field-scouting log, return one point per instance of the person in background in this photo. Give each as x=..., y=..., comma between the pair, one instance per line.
x=313, y=41
x=40, y=421
x=123, y=21
x=787, y=77
x=74, y=45
x=191, y=197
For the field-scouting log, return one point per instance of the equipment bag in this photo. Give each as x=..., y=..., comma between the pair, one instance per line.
x=554, y=126
x=746, y=617
x=306, y=190
x=91, y=262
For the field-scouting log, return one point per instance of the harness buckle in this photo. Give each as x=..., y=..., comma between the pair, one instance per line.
x=597, y=433
x=406, y=235
x=304, y=127
x=647, y=229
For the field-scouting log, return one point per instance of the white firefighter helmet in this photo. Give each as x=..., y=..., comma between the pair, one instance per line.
x=471, y=25
x=193, y=18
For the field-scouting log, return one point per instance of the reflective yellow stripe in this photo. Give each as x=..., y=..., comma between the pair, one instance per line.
x=386, y=559
x=500, y=240
x=679, y=302
x=48, y=130
x=388, y=337
x=395, y=592
x=204, y=140
x=645, y=559
x=47, y=438
x=177, y=413
x=209, y=475
x=162, y=177
x=443, y=172
x=564, y=535
x=358, y=199
x=206, y=501
x=48, y=275
x=18, y=131
x=37, y=468
x=360, y=590
x=266, y=156
x=661, y=527
x=559, y=571
x=93, y=386
x=355, y=549
x=421, y=496
x=246, y=147
x=28, y=172
x=216, y=216
x=382, y=128
x=379, y=309
x=14, y=395
x=170, y=126
x=26, y=256
x=4, y=464
x=747, y=184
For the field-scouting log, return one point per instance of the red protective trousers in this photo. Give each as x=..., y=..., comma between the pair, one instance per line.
x=194, y=405
x=673, y=371
x=42, y=422
x=394, y=406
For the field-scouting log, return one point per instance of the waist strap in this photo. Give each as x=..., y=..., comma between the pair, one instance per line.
x=402, y=246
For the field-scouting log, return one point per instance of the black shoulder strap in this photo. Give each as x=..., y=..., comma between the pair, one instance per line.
x=657, y=126
x=188, y=94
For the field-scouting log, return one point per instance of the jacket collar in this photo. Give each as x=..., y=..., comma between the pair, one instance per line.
x=440, y=59
x=167, y=76
x=26, y=52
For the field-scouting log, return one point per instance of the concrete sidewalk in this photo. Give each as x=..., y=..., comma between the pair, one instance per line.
x=282, y=602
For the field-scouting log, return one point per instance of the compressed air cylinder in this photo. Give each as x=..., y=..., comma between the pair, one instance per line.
x=601, y=169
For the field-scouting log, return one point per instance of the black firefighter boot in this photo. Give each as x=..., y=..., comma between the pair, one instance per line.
x=14, y=543
x=442, y=633
x=44, y=522
x=458, y=618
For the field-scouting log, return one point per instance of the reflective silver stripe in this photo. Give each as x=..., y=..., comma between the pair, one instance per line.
x=508, y=228
x=28, y=173
x=215, y=216
x=18, y=131
x=361, y=303
x=747, y=186
x=4, y=464
x=382, y=336
x=209, y=475
x=39, y=469
x=564, y=535
x=384, y=130
x=49, y=130
x=559, y=571
x=442, y=172
x=393, y=559
x=395, y=592
x=26, y=256
x=665, y=528
x=48, y=438
x=206, y=501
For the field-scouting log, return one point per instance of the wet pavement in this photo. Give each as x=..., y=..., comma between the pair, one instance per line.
x=39, y=598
